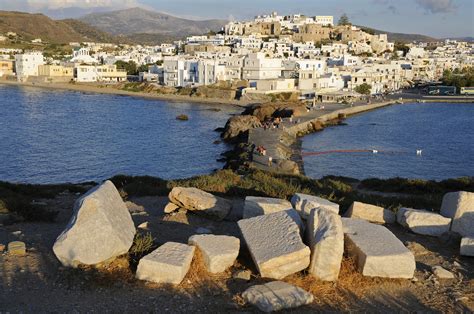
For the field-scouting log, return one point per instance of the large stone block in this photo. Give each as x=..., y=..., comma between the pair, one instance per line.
x=219, y=251
x=304, y=203
x=256, y=206
x=100, y=229
x=460, y=207
x=423, y=222
x=275, y=243
x=276, y=295
x=167, y=264
x=326, y=240
x=200, y=201
x=378, y=252
x=467, y=246
x=370, y=213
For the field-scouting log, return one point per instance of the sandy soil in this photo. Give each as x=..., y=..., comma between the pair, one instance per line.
x=38, y=283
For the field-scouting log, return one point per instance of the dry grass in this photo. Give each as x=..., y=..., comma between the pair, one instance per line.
x=351, y=284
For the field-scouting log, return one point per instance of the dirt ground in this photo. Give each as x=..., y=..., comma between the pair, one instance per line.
x=38, y=283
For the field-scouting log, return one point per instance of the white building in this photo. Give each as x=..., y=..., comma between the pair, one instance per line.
x=27, y=64
x=326, y=20
x=258, y=67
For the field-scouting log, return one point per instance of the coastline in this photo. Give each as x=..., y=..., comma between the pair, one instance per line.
x=100, y=89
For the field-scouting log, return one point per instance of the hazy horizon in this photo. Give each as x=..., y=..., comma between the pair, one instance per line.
x=436, y=18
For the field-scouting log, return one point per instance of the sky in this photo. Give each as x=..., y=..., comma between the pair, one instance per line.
x=437, y=18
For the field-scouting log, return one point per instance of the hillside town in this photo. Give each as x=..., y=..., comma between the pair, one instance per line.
x=311, y=56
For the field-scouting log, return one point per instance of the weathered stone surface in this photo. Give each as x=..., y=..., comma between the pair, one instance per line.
x=256, y=206
x=378, y=252
x=167, y=264
x=304, y=203
x=170, y=207
x=460, y=207
x=219, y=251
x=197, y=200
x=276, y=295
x=423, y=222
x=467, y=246
x=370, y=213
x=326, y=240
x=275, y=243
x=442, y=273
x=243, y=275
x=101, y=228
x=238, y=125
x=17, y=248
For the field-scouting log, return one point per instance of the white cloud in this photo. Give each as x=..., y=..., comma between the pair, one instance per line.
x=437, y=6
x=62, y=4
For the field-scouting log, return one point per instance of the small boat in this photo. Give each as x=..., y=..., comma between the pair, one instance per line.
x=419, y=151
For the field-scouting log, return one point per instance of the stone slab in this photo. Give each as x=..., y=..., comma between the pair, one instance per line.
x=219, y=251
x=194, y=199
x=100, y=229
x=275, y=243
x=17, y=248
x=256, y=206
x=377, y=251
x=423, y=222
x=467, y=246
x=276, y=296
x=370, y=213
x=304, y=203
x=325, y=237
x=170, y=207
x=442, y=273
x=167, y=264
x=460, y=207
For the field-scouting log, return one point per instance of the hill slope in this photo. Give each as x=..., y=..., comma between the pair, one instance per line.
x=30, y=26
x=140, y=21
x=400, y=37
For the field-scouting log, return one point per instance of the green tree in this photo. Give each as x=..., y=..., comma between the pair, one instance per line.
x=402, y=47
x=459, y=78
x=130, y=67
x=344, y=20
x=363, y=89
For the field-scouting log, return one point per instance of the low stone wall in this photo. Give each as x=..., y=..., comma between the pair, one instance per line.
x=306, y=125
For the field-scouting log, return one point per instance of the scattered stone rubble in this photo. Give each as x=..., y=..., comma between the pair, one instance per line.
x=219, y=251
x=256, y=206
x=423, y=221
x=167, y=264
x=371, y=213
x=272, y=229
x=304, y=203
x=193, y=199
x=276, y=295
x=100, y=229
x=275, y=243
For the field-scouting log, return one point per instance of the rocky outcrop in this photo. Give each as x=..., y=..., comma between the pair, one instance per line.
x=275, y=243
x=196, y=200
x=100, y=229
x=460, y=207
x=304, y=204
x=325, y=237
x=256, y=206
x=377, y=251
x=219, y=251
x=282, y=110
x=167, y=264
x=276, y=296
x=238, y=125
x=370, y=213
x=423, y=222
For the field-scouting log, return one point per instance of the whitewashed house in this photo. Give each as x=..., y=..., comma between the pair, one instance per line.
x=258, y=67
x=27, y=64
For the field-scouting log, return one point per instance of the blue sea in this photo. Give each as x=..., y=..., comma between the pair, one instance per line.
x=54, y=136
x=443, y=132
